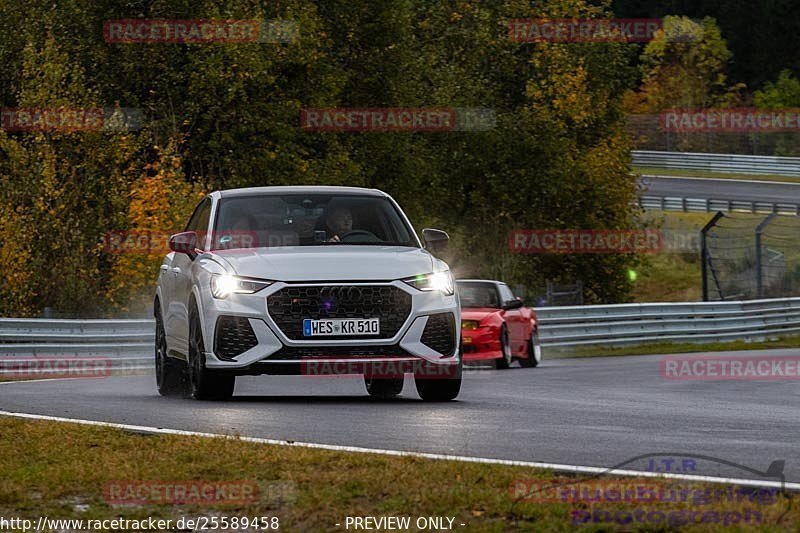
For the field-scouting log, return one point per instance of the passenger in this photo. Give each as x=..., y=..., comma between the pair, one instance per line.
x=241, y=233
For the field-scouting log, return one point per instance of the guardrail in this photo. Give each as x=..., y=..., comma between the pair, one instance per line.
x=707, y=205
x=129, y=343
x=668, y=322
x=735, y=164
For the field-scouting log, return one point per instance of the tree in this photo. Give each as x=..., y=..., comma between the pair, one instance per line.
x=684, y=67
x=785, y=92
x=161, y=201
x=59, y=190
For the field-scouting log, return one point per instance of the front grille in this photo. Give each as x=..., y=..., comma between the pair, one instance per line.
x=291, y=305
x=233, y=336
x=336, y=352
x=440, y=333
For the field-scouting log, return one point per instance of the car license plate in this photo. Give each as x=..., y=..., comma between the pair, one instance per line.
x=341, y=326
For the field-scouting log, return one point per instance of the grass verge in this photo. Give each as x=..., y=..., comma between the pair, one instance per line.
x=681, y=173
x=60, y=470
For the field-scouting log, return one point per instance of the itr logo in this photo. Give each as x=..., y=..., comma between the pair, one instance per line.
x=675, y=465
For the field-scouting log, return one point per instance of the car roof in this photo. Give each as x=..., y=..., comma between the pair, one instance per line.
x=301, y=189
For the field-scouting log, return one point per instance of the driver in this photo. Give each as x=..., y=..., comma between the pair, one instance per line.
x=340, y=223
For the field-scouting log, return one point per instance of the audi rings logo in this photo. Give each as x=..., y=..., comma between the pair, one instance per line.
x=342, y=294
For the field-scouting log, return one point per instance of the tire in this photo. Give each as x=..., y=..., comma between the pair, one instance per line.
x=384, y=388
x=439, y=390
x=204, y=384
x=170, y=373
x=534, y=352
x=505, y=348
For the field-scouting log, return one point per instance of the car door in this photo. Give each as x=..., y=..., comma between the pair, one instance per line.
x=180, y=273
x=514, y=321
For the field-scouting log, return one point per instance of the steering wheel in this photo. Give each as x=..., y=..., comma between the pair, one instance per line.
x=359, y=235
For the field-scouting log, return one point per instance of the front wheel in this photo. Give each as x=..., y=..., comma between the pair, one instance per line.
x=440, y=389
x=505, y=349
x=170, y=375
x=384, y=388
x=205, y=384
x=534, y=352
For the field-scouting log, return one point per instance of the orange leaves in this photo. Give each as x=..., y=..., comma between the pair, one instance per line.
x=161, y=202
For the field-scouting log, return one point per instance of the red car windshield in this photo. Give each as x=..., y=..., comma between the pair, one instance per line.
x=478, y=295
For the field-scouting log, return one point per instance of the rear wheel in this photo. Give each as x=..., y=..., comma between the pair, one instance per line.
x=384, y=388
x=505, y=349
x=170, y=374
x=205, y=384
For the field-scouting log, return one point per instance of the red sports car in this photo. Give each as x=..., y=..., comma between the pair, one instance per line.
x=495, y=325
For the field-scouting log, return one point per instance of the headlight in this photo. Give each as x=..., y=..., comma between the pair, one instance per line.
x=224, y=284
x=436, y=281
x=469, y=324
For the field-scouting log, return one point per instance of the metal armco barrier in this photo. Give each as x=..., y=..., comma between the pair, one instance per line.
x=706, y=205
x=668, y=322
x=735, y=164
x=129, y=343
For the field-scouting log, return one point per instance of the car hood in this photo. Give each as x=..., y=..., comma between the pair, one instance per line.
x=329, y=263
x=477, y=313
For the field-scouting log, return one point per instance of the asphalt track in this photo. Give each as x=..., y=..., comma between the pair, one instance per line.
x=602, y=412
x=721, y=189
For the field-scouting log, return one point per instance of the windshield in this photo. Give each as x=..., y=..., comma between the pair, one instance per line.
x=309, y=220
x=478, y=294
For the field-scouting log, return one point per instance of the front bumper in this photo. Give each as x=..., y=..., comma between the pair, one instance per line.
x=481, y=344
x=270, y=350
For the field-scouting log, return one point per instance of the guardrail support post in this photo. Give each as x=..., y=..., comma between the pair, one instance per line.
x=759, y=260
x=704, y=252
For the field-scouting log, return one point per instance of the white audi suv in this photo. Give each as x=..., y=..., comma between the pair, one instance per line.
x=305, y=280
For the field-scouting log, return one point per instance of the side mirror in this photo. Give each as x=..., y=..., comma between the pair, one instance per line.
x=184, y=243
x=512, y=304
x=435, y=239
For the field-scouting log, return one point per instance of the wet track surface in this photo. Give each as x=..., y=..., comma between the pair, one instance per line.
x=595, y=412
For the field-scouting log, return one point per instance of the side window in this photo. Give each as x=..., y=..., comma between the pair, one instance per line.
x=199, y=222
x=200, y=217
x=505, y=293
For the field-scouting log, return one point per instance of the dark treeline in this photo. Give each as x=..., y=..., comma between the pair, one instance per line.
x=762, y=34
